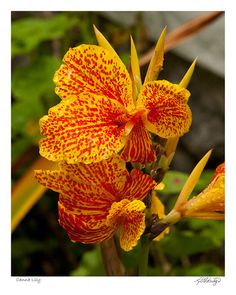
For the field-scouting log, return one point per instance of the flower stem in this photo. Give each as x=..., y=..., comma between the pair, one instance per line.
x=111, y=259
x=143, y=257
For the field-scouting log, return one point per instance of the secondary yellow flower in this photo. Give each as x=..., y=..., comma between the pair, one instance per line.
x=209, y=204
x=98, y=115
x=98, y=199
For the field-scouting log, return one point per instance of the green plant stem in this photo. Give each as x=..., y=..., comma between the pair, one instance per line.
x=143, y=257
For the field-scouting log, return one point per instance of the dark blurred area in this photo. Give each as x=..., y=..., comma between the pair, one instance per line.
x=40, y=247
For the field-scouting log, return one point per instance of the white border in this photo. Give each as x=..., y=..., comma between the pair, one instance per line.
x=105, y=285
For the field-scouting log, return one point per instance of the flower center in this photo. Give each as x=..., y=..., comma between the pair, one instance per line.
x=129, y=120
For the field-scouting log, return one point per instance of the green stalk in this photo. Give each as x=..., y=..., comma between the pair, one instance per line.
x=143, y=257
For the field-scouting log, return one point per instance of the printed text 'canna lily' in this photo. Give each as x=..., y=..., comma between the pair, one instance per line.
x=101, y=112
x=98, y=199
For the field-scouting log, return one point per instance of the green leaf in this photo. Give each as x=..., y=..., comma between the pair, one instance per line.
x=174, y=182
x=35, y=80
x=23, y=246
x=19, y=147
x=90, y=265
x=212, y=229
x=33, y=90
x=29, y=32
x=204, y=269
x=187, y=243
x=131, y=258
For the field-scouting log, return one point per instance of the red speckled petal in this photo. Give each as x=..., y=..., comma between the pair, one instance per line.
x=139, y=147
x=77, y=195
x=129, y=217
x=93, y=69
x=84, y=228
x=138, y=185
x=168, y=114
x=88, y=195
x=111, y=174
x=82, y=130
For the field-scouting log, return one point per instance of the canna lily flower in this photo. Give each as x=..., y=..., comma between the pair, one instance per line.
x=209, y=204
x=102, y=112
x=98, y=199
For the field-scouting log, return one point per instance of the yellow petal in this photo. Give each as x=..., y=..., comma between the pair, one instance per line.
x=82, y=129
x=168, y=114
x=209, y=204
x=129, y=217
x=96, y=70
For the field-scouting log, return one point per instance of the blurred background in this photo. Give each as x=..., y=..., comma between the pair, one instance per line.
x=39, y=41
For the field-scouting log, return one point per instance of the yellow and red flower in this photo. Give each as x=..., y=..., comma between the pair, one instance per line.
x=98, y=199
x=98, y=115
x=210, y=203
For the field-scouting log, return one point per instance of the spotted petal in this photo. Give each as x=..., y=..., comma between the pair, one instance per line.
x=76, y=195
x=168, y=114
x=129, y=217
x=82, y=129
x=137, y=185
x=110, y=173
x=88, y=195
x=139, y=147
x=93, y=69
x=84, y=228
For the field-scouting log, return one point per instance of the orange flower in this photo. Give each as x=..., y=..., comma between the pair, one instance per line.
x=209, y=204
x=98, y=199
x=99, y=114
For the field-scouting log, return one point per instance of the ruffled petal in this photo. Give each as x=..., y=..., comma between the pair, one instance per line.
x=77, y=196
x=93, y=69
x=94, y=203
x=168, y=114
x=139, y=147
x=84, y=228
x=130, y=218
x=137, y=185
x=83, y=129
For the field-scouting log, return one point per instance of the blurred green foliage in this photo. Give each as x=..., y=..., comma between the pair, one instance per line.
x=28, y=33
x=39, y=245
